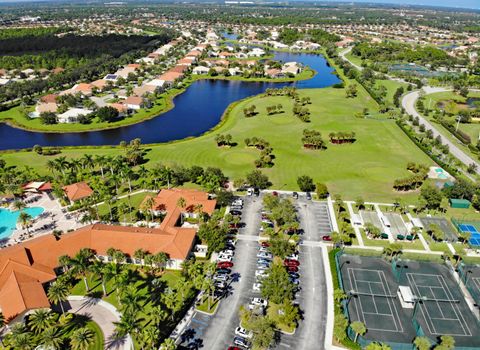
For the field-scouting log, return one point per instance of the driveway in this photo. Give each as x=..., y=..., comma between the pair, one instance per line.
x=408, y=103
x=103, y=314
x=218, y=331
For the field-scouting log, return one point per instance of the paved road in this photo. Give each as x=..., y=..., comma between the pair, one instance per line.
x=346, y=51
x=408, y=103
x=312, y=298
x=104, y=315
x=219, y=332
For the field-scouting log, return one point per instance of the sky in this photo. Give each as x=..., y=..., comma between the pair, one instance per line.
x=473, y=4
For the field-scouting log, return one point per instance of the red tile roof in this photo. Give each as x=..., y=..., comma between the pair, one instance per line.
x=77, y=191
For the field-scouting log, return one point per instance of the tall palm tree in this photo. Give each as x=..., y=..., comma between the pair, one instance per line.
x=58, y=293
x=208, y=288
x=82, y=339
x=40, y=320
x=147, y=207
x=18, y=205
x=422, y=343
x=148, y=337
x=25, y=219
x=81, y=263
x=359, y=329
x=181, y=203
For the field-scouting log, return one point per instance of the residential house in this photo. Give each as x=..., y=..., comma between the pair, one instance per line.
x=200, y=70
x=291, y=68
x=72, y=115
x=83, y=88
x=135, y=102
x=274, y=73
x=143, y=90
x=100, y=84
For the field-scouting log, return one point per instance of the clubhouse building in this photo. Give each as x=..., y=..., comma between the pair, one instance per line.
x=27, y=268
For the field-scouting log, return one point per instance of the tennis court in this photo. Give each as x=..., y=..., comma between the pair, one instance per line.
x=373, y=300
x=372, y=218
x=444, y=225
x=371, y=286
x=473, y=229
x=397, y=226
x=439, y=307
x=470, y=275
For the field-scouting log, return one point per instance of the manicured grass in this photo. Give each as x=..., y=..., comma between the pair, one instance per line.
x=213, y=306
x=416, y=244
x=391, y=86
x=352, y=58
x=98, y=336
x=435, y=246
x=135, y=201
x=272, y=313
x=366, y=168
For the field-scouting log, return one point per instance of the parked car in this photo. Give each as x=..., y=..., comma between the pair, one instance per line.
x=326, y=238
x=264, y=249
x=235, y=208
x=263, y=261
x=257, y=287
x=294, y=281
x=236, y=212
x=221, y=284
x=275, y=193
x=242, y=332
x=309, y=196
x=263, y=266
x=264, y=255
x=228, y=252
x=221, y=277
x=224, y=265
x=231, y=241
x=241, y=342
x=224, y=258
x=250, y=192
x=265, y=244
x=288, y=262
x=259, y=302
x=224, y=271
x=238, y=201
x=294, y=275
x=292, y=257
x=256, y=192
x=261, y=273
x=295, y=195
x=292, y=268
x=233, y=348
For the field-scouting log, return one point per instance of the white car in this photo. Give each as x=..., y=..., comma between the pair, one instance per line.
x=222, y=278
x=227, y=252
x=250, y=192
x=261, y=273
x=264, y=255
x=257, y=287
x=237, y=202
x=242, y=332
x=292, y=257
x=232, y=241
x=264, y=249
x=259, y=302
x=224, y=258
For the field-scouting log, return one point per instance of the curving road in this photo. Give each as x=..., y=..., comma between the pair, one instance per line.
x=408, y=103
x=105, y=315
x=342, y=55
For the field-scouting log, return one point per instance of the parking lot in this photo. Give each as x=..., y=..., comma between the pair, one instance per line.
x=315, y=219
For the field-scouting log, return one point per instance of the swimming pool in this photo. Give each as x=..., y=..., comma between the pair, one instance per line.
x=8, y=219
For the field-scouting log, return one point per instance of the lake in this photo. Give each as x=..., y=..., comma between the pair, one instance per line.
x=196, y=111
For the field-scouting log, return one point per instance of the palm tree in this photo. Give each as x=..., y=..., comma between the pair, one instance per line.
x=339, y=295
x=158, y=315
x=51, y=338
x=24, y=219
x=148, y=206
x=447, y=341
x=40, y=320
x=168, y=344
x=161, y=259
x=82, y=339
x=208, y=288
x=58, y=293
x=22, y=341
x=18, y=205
x=81, y=264
x=359, y=329
x=422, y=343
x=181, y=203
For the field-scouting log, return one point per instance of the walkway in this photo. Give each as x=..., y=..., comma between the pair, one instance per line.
x=102, y=313
x=408, y=103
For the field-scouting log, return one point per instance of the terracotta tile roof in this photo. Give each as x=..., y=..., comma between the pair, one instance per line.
x=84, y=87
x=100, y=83
x=50, y=98
x=194, y=53
x=179, y=69
x=170, y=76
x=134, y=100
x=25, y=267
x=77, y=191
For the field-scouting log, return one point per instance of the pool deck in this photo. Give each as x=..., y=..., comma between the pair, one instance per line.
x=53, y=216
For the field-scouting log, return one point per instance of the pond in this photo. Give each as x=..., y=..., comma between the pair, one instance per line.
x=196, y=111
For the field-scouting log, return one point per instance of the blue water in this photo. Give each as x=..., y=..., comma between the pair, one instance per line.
x=196, y=111
x=8, y=219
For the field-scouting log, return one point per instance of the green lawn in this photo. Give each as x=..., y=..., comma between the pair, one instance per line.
x=134, y=201
x=366, y=168
x=98, y=339
x=272, y=313
x=391, y=86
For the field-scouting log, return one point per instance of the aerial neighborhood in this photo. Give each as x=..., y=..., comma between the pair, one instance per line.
x=237, y=175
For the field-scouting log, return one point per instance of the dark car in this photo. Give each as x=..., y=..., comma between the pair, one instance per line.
x=225, y=265
x=292, y=268
x=294, y=275
x=256, y=191
x=295, y=195
x=308, y=195
x=236, y=212
x=233, y=348
x=288, y=262
x=241, y=341
x=275, y=193
x=265, y=244
x=224, y=271
x=327, y=238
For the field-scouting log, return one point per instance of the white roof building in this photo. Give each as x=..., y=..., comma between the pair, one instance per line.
x=71, y=116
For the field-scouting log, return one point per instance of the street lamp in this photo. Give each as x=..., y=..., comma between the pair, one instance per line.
x=402, y=267
x=417, y=301
x=467, y=274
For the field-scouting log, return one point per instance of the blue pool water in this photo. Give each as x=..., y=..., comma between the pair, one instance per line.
x=8, y=219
